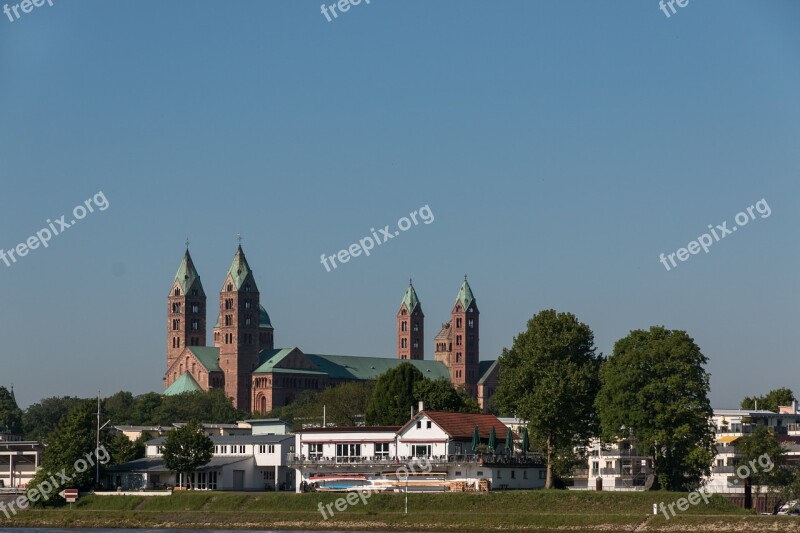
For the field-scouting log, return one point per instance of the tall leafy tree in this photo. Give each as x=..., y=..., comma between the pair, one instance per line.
x=10, y=413
x=119, y=407
x=393, y=396
x=550, y=377
x=765, y=458
x=68, y=447
x=770, y=401
x=41, y=419
x=186, y=449
x=440, y=395
x=344, y=404
x=655, y=389
x=122, y=449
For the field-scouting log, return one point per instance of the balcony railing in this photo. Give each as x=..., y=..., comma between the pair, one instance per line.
x=723, y=469
x=725, y=449
x=302, y=460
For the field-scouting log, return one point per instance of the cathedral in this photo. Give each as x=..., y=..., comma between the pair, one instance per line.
x=259, y=377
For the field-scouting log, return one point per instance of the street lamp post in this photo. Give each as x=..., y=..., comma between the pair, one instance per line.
x=406, y=492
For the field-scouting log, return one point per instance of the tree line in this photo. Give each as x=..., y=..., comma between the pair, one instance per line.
x=652, y=388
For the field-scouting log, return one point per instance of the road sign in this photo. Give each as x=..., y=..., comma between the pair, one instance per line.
x=69, y=494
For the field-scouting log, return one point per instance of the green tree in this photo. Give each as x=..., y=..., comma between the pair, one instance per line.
x=211, y=407
x=122, y=449
x=10, y=413
x=146, y=408
x=344, y=404
x=655, y=389
x=41, y=419
x=770, y=401
x=186, y=449
x=550, y=378
x=393, y=396
x=765, y=458
x=70, y=448
x=440, y=395
x=119, y=408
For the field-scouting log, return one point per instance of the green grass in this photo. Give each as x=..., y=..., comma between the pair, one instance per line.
x=495, y=511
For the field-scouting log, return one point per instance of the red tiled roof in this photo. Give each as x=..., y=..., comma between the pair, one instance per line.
x=350, y=429
x=462, y=425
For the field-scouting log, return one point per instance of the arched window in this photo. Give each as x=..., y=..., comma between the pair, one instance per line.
x=177, y=291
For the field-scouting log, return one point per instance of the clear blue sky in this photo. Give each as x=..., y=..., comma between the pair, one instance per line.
x=562, y=146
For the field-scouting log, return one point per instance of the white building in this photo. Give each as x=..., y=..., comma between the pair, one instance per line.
x=19, y=461
x=733, y=424
x=615, y=467
x=239, y=462
x=434, y=449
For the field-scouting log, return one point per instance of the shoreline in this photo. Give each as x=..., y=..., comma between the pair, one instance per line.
x=540, y=511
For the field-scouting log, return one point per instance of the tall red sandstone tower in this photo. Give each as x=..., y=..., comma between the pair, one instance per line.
x=410, y=326
x=239, y=330
x=186, y=310
x=464, y=327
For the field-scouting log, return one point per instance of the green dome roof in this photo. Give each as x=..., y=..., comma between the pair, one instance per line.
x=263, y=318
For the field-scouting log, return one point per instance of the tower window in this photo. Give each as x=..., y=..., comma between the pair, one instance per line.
x=195, y=325
x=246, y=287
x=458, y=322
x=416, y=343
x=176, y=324
x=458, y=340
x=471, y=323
x=177, y=291
x=404, y=343
x=403, y=326
x=195, y=308
x=416, y=326
x=230, y=287
x=247, y=304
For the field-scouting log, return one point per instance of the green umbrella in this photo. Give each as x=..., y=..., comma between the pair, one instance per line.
x=525, y=440
x=509, y=442
x=492, y=439
x=476, y=439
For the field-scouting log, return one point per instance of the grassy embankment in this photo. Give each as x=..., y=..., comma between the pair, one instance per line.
x=495, y=511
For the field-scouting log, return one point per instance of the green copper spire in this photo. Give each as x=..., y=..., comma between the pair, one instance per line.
x=410, y=298
x=465, y=295
x=187, y=274
x=239, y=268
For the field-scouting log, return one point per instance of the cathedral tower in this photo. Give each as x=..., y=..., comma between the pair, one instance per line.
x=410, y=326
x=186, y=310
x=464, y=328
x=239, y=314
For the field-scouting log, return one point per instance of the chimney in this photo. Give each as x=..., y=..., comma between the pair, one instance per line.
x=421, y=406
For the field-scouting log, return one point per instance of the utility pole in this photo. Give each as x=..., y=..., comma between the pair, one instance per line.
x=97, y=463
x=97, y=449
